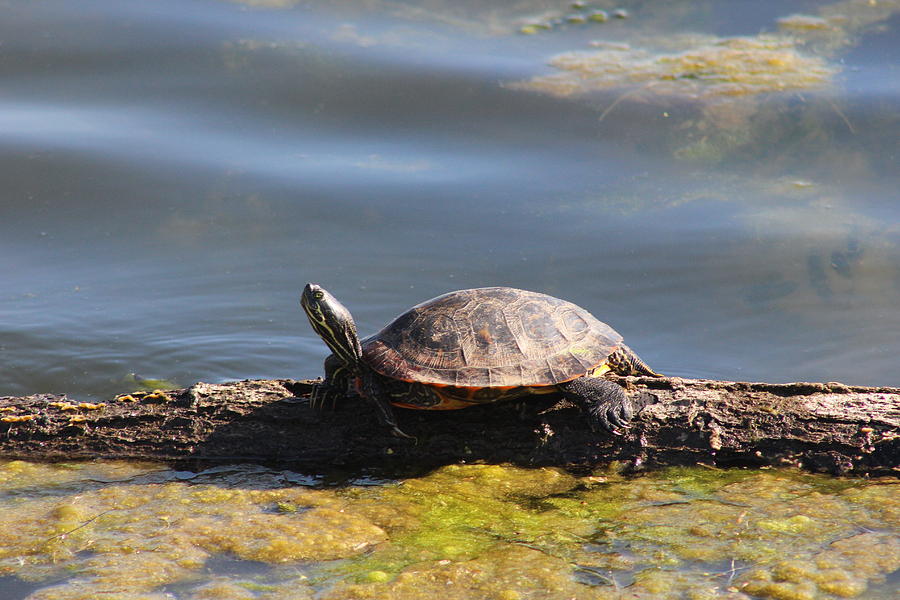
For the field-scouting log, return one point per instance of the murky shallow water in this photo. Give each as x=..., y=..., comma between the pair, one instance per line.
x=125, y=530
x=173, y=172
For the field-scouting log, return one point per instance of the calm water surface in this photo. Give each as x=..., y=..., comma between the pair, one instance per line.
x=174, y=172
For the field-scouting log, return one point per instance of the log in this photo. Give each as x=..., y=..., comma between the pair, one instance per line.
x=826, y=427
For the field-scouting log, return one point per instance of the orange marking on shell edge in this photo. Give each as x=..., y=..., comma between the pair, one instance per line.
x=445, y=404
x=450, y=403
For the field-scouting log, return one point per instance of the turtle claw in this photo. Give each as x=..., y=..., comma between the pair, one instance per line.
x=387, y=418
x=323, y=394
x=613, y=415
x=314, y=401
x=618, y=416
x=397, y=432
x=607, y=406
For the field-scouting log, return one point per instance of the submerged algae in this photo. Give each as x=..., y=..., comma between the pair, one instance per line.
x=151, y=530
x=463, y=531
x=670, y=533
x=795, y=57
x=719, y=98
x=461, y=512
x=713, y=67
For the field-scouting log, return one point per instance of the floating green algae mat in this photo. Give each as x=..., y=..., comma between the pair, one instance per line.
x=129, y=530
x=658, y=52
x=718, y=98
x=707, y=67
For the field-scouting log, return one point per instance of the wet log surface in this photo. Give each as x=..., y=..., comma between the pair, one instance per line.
x=820, y=427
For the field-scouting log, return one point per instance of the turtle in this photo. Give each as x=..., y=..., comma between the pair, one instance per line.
x=472, y=347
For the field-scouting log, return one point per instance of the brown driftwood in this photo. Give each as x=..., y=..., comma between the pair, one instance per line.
x=822, y=427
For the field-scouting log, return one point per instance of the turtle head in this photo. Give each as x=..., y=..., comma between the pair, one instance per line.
x=333, y=322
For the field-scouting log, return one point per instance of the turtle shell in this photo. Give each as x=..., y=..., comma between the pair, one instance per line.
x=491, y=337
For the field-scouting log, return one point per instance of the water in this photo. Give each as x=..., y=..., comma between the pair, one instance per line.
x=174, y=172
x=132, y=530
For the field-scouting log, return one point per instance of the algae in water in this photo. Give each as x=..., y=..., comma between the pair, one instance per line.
x=92, y=530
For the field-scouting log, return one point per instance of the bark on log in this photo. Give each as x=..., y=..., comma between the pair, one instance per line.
x=816, y=426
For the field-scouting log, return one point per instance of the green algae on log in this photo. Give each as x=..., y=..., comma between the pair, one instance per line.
x=827, y=427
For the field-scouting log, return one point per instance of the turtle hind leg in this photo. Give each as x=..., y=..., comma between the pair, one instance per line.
x=605, y=402
x=625, y=362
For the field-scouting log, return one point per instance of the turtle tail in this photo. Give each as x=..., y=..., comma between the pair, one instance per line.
x=625, y=362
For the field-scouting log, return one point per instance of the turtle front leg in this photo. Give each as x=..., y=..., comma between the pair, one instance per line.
x=373, y=390
x=605, y=402
x=323, y=394
x=335, y=386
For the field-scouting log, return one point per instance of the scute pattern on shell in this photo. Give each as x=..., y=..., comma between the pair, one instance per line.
x=491, y=337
